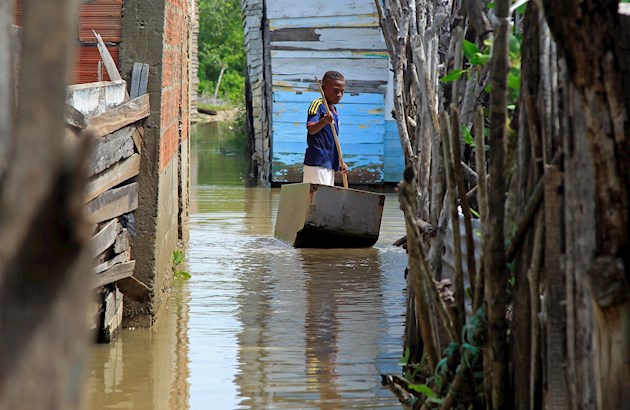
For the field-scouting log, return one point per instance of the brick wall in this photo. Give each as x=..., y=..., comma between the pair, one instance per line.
x=175, y=68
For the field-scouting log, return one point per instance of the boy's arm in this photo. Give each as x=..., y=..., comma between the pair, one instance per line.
x=315, y=127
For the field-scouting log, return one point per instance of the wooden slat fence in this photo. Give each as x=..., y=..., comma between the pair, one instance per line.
x=103, y=111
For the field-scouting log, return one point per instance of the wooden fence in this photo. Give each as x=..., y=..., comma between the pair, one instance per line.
x=104, y=112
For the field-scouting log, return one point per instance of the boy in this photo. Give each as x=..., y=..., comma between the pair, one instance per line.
x=322, y=159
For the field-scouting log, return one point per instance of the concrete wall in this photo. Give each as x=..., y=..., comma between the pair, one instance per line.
x=157, y=33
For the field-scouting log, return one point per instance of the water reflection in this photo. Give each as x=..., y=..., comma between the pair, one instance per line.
x=144, y=369
x=261, y=325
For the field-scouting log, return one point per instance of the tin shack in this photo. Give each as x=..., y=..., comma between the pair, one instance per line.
x=288, y=44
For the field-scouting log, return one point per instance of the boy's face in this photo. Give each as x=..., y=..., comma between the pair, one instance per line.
x=334, y=89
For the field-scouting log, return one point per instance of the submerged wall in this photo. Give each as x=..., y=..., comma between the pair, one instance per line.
x=157, y=33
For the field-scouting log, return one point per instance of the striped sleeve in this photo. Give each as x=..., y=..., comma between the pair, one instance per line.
x=312, y=110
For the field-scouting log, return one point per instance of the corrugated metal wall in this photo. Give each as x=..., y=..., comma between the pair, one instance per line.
x=102, y=16
x=309, y=38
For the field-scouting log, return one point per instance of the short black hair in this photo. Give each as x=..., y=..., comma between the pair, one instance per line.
x=333, y=75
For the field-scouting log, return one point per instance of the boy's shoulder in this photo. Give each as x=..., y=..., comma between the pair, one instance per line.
x=315, y=106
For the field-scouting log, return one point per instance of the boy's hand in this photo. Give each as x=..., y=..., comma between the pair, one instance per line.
x=343, y=168
x=328, y=119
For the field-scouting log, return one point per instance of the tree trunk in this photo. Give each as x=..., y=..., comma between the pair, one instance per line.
x=585, y=31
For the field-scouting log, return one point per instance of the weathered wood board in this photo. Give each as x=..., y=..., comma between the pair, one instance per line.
x=113, y=203
x=117, y=118
x=120, y=258
x=105, y=238
x=134, y=289
x=112, y=176
x=111, y=149
x=113, y=274
x=279, y=9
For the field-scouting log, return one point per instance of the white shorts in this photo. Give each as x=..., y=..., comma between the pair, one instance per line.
x=319, y=175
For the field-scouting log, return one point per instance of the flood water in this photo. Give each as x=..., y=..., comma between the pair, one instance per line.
x=260, y=325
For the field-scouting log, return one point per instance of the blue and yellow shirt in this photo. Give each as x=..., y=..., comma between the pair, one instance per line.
x=321, y=150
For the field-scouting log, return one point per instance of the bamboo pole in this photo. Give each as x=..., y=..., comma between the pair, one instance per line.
x=451, y=189
x=344, y=175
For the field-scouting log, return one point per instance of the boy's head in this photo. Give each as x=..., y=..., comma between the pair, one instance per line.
x=334, y=86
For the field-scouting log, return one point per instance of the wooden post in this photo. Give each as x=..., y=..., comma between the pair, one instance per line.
x=43, y=281
x=496, y=354
x=6, y=80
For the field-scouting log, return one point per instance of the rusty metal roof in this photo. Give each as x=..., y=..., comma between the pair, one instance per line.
x=102, y=16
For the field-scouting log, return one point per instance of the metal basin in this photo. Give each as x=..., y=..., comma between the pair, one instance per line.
x=321, y=216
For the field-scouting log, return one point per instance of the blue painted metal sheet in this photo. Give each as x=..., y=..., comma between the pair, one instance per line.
x=348, y=134
x=361, y=135
x=297, y=114
x=308, y=97
x=357, y=20
x=364, y=169
x=347, y=149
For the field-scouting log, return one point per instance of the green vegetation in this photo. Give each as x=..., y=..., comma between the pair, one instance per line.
x=221, y=47
x=178, y=259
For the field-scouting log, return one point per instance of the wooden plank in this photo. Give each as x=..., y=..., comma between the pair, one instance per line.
x=135, y=80
x=117, y=118
x=113, y=203
x=134, y=289
x=122, y=242
x=112, y=317
x=120, y=258
x=292, y=9
x=318, y=50
x=104, y=238
x=108, y=61
x=357, y=20
x=112, y=176
x=6, y=81
x=137, y=138
x=308, y=97
x=348, y=134
x=334, y=37
x=75, y=118
x=113, y=274
x=357, y=149
x=111, y=149
x=301, y=69
x=144, y=79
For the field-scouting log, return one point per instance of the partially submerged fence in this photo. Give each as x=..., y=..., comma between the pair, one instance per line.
x=103, y=111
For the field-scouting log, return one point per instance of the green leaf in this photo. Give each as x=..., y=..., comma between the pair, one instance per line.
x=480, y=59
x=470, y=49
x=424, y=389
x=452, y=76
x=476, y=214
x=183, y=274
x=468, y=137
x=404, y=361
x=515, y=44
x=178, y=257
x=514, y=81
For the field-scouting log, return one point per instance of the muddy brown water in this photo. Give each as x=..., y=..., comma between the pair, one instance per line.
x=260, y=325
